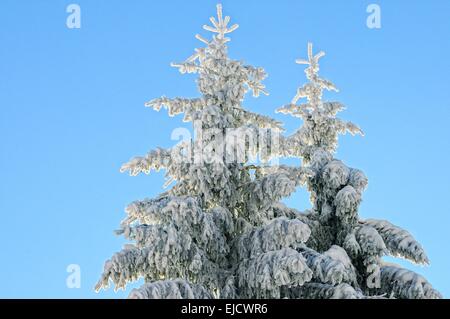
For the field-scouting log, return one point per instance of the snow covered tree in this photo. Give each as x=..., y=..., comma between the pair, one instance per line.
x=220, y=231
x=335, y=193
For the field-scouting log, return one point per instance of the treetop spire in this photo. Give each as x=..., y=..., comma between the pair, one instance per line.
x=312, y=71
x=220, y=26
x=313, y=60
x=321, y=126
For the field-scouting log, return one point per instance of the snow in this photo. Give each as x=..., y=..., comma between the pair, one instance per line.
x=221, y=231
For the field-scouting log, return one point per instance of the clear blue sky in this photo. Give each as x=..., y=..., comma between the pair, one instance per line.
x=71, y=112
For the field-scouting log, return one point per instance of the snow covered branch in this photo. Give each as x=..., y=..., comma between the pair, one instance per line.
x=264, y=275
x=277, y=234
x=399, y=242
x=170, y=289
x=314, y=290
x=405, y=284
x=333, y=266
x=177, y=105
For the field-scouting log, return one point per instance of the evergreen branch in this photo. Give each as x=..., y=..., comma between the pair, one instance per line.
x=405, y=284
x=265, y=275
x=177, y=105
x=170, y=289
x=399, y=242
x=279, y=233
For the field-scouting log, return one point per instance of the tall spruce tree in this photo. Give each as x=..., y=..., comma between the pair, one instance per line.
x=219, y=232
x=335, y=193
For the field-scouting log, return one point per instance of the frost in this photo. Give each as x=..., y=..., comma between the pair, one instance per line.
x=405, y=284
x=371, y=244
x=399, y=242
x=264, y=275
x=220, y=230
x=333, y=266
x=326, y=291
x=335, y=174
x=170, y=289
x=221, y=217
x=280, y=232
x=347, y=202
x=321, y=127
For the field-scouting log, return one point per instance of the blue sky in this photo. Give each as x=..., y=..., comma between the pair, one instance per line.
x=71, y=112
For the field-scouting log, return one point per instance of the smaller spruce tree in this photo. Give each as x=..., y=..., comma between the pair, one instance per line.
x=336, y=193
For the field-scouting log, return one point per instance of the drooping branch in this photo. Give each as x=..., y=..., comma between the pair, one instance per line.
x=314, y=290
x=207, y=229
x=278, y=233
x=274, y=184
x=262, y=276
x=399, y=242
x=172, y=255
x=333, y=266
x=371, y=244
x=170, y=289
x=405, y=284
